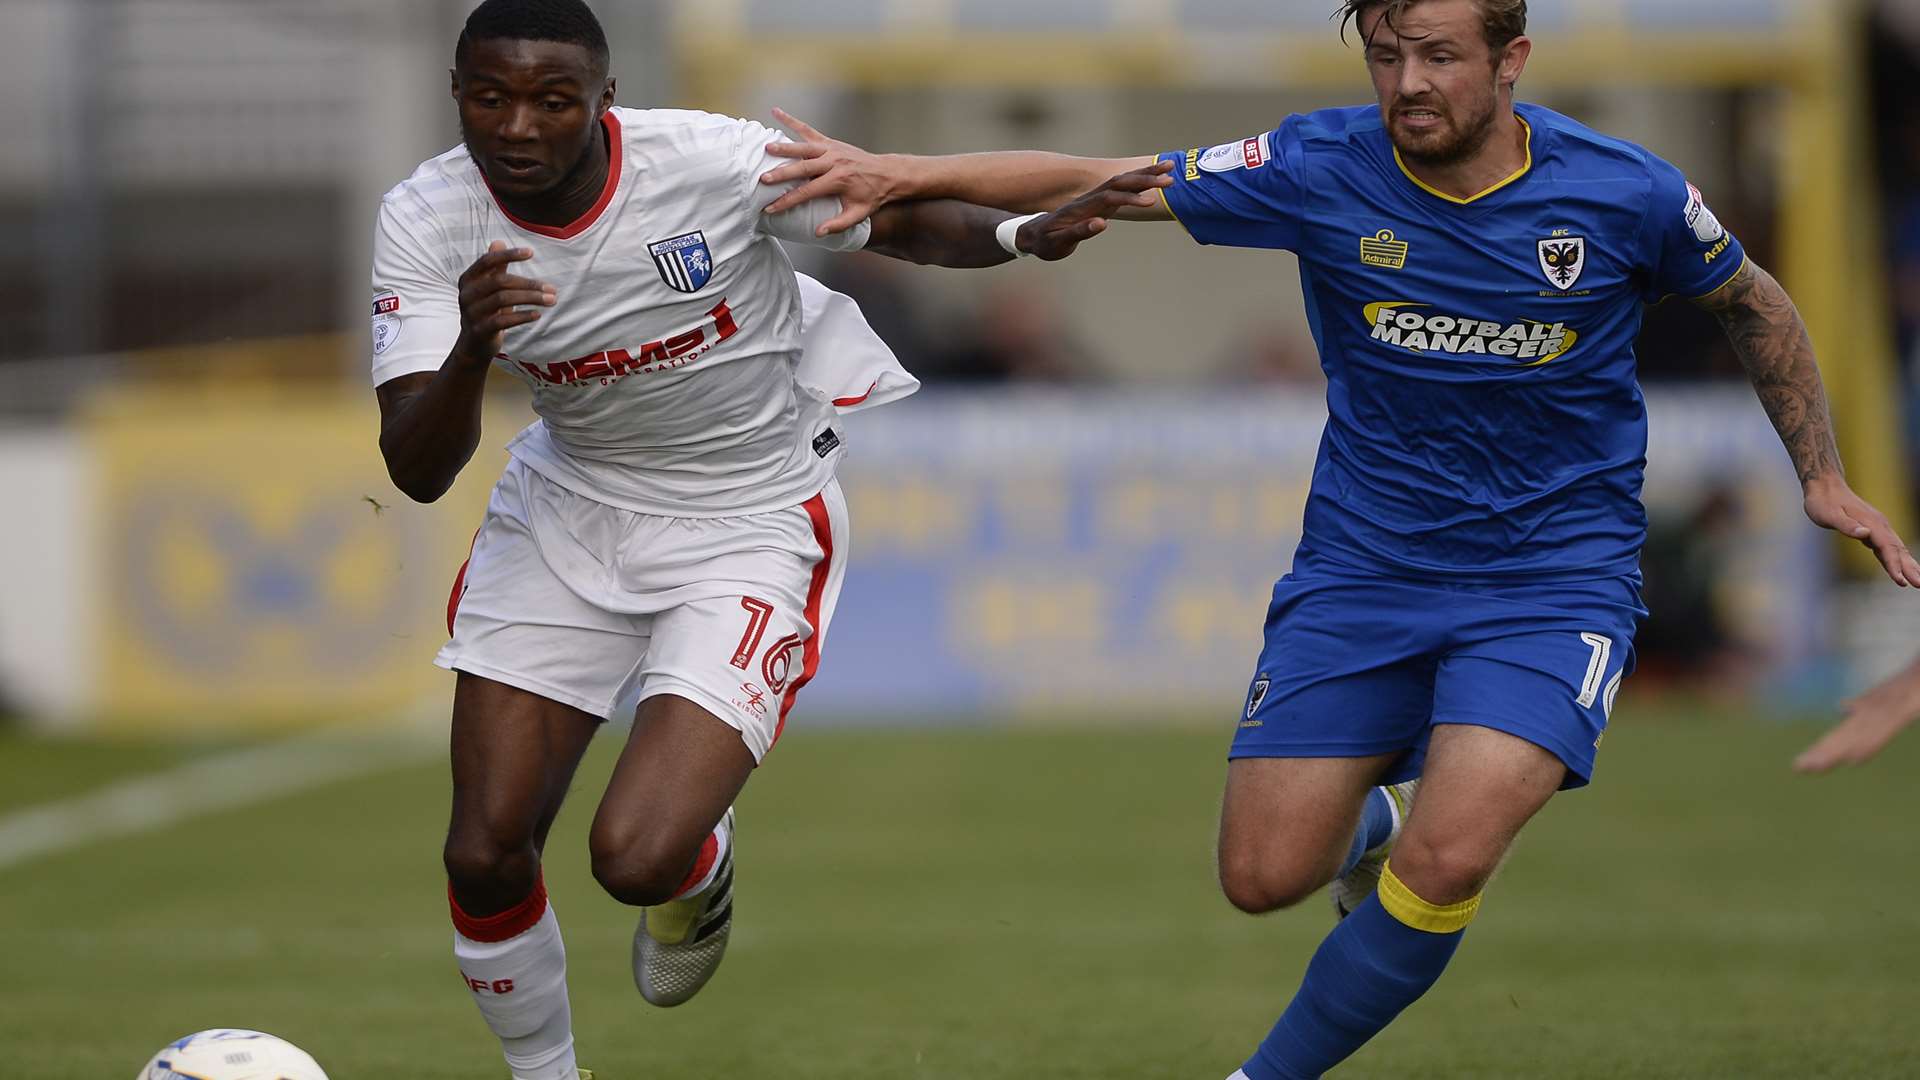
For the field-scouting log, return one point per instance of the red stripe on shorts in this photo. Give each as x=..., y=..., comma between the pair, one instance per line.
x=816, y=508
x=460, y=584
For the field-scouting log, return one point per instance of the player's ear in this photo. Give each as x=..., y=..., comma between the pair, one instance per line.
x=606, y=95
x=1514, y=61
x=453, y=76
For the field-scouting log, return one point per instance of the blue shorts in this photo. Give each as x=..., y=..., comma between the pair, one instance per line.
x=1357, y=664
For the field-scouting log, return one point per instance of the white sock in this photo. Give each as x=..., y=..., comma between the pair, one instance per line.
x=520, y=985
x=723, y=838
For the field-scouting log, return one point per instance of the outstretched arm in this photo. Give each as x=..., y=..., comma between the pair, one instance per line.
x=940, y=232
x=1872, y=720
x=1772, y=341
x=1022, y=181
x=944, y=232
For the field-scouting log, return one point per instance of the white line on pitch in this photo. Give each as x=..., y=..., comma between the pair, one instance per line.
x=222, y=782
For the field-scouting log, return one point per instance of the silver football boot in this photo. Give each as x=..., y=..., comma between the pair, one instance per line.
x=678, y=945
x=1352, y=888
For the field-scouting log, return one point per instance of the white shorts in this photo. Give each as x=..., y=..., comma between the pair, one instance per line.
x=600, y=608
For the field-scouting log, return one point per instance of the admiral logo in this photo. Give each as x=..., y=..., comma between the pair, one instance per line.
x=665, y=355
x=1384, y=251
x=1193, y=165
x=1246, y=154
x=1530, y=343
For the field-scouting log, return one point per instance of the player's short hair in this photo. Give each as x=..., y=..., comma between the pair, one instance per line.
x=1500, y=20
x=570, y=22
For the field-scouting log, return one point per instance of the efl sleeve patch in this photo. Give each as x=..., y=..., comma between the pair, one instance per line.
x=1687, y=251
x=386, y=323
x=416, y=304
x=1246, y=154
x=1245, y=193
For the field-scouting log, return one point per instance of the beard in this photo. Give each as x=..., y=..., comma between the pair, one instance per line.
x=1449, y=144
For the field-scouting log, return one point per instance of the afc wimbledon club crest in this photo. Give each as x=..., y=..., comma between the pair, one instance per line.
x=1562, y=259
x=684, y=261
x=1257, y=694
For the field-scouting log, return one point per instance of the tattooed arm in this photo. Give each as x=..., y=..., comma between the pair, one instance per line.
x=1767, y=332
x=1772, y=341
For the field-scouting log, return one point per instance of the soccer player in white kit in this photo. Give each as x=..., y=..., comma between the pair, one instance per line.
x=669, y=529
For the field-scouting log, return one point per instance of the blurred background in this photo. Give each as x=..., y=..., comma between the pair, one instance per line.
x=1088, y=503
x=222, y=763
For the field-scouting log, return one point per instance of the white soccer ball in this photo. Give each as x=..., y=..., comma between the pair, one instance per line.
x=231, y=1054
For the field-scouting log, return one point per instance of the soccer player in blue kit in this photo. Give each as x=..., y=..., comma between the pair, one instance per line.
x=1463, y=602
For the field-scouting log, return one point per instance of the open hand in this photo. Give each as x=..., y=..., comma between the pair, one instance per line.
x=1056, y=235
x=1832, y=504
x=493, y=301
x=1872, y=720
x=863, y=182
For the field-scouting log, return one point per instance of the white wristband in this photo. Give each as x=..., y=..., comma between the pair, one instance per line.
x=1008, y=232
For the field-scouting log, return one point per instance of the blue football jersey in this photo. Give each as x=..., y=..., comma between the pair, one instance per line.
x=1484, y=416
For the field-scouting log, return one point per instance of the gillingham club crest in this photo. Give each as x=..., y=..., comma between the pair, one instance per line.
x=1563, y=259
x=685, y=262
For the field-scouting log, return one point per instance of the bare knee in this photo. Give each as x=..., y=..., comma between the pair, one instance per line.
x=1257, y=882
x=640, y=867
x=1444, y=870
x=489, y=871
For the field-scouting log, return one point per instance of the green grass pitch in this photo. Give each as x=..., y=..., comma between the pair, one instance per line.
x=960, y=904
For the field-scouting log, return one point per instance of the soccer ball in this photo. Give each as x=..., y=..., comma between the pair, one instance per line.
x=231, y=1054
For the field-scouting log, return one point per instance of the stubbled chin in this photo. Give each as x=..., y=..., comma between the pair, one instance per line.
x=1422, y=143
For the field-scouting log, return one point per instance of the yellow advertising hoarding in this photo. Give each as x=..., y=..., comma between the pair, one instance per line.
x=1063, y=554
x=259, y=567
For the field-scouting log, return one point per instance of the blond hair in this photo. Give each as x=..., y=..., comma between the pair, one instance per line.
x=1500, y=20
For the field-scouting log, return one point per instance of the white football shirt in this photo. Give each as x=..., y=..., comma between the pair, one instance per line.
x=664, y=377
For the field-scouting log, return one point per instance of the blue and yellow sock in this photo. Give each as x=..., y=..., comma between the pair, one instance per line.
x=1376, y=825
x=1378, y=961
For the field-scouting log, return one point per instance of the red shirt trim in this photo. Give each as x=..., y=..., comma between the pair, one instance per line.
x=611, y=125
x=847, y=402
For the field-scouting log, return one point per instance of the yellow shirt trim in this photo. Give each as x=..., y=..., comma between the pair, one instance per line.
x=1456, y=200
x=1170, y=211
x=1722, y=287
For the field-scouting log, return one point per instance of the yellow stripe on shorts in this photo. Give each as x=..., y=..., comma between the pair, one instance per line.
x=1404, y=905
